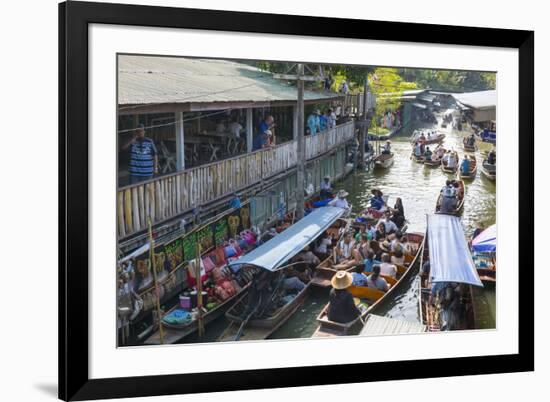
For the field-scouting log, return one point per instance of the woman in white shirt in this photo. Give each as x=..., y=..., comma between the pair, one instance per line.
x=387, y=268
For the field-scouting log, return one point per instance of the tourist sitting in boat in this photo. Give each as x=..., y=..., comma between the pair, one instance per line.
x=341, y=305
x=465, y=165
x=398, y=258
x=471, y=140
x=397, y=242
x=358, y=278
x=294, y=279
x=380, y=234
x=386, y=149
x=387, y=268
x=340, y=200
x=448, y=201
x=344, y=248
x=361, y=249
x=307, y=257
x=326, y=188
x=390, y=225
x=428, y=154
x=370, y=261
x=362, y=230
x=446, y=157
x=453, y=160
x=324, y=244
x=375, y=281
x=492, y=157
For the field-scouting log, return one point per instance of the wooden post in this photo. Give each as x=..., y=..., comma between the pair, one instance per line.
x=249, y=130
x=199, y=289
x=364, y=132
x=157, y=293
x=180, y=145
x=294, y=122
x=300, y=199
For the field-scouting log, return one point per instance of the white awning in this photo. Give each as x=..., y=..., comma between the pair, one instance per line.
x=450, y=257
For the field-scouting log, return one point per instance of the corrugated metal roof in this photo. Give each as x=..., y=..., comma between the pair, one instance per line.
x=478, y=100
x=377, y=325
x=157, y=80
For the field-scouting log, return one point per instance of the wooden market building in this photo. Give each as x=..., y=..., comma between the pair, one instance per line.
x=187, y=106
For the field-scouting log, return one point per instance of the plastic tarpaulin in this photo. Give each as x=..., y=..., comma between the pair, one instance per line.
x=486, y=241
x=291, y=241
x=450, y=258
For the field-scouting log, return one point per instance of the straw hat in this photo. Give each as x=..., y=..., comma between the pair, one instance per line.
x=342, y=194
x=341, y=280
x=385, y=245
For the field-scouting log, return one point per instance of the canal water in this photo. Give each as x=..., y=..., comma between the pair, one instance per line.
x=418, y=186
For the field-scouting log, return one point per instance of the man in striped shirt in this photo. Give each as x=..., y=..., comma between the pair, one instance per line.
x=143, y=156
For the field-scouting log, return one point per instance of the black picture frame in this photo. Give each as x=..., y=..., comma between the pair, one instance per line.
x=74, y=18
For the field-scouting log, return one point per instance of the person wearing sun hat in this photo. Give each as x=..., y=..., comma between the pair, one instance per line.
x=326, y=187
x=341, y=305
x=340, y=200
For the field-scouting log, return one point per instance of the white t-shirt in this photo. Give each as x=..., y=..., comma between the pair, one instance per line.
x=323, y=245
x=339, y=202
x=235, y=129
x=388, y=269
x=346, y=248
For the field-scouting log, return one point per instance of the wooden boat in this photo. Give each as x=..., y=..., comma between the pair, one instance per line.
x=460, y=204
x=463, y=272
x=259, y=328
x=434, y=139
x=417, y=159
x=446, y=169
x=468, y=148
x=257, y=321
x=384, y=161
x=373, y=297
x=173, y=333
x=471, y=172
x=432, y=163
x=488, y=170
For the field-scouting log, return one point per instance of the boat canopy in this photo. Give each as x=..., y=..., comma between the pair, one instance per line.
x=291, y=241
x=450, y=257
x=486, y=241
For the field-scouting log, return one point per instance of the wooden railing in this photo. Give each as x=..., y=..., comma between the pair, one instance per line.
x=355, y=102
x=171, y=195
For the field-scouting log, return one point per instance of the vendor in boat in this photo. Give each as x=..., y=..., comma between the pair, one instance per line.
x=340, y=200
x=492, y=157
x=377, y=201
x=465, y=165
x=375, y=281
x=326, y=188
x=386, y=149
x=341, y=305
x=471, y=140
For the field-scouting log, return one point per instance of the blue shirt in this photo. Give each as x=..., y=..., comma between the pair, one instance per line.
x=323, y=122
x=465, y=166
x=369, y=264
x=235, y=203
x=142, y=154
x=377, y=203
x=358, y=279
x=313, y=122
